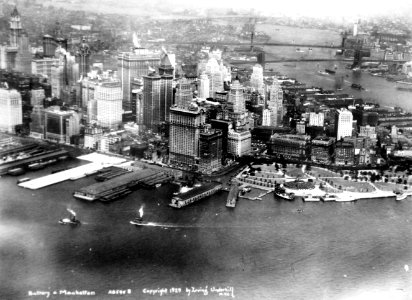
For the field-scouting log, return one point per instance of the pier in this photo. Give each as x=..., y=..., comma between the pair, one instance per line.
x=195, y=194
x=232, y=197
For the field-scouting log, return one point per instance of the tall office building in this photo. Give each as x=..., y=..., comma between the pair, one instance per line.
x=343, y=123
x=236, y=97
x=256, y=79
x=37, y=97
x=185, y=127
x=266, y=117
x=204, y=86
x=18, y=55
x=11, y=112
x=166, y=72
x=43, y=66
x=215, y=76
x=151, y=101
x=184, y=94
x=60, y=125
x=135, y=64
x=108, y=97
x=210, y=150
x=83, y=54
x=37, y=123
x=275, y=104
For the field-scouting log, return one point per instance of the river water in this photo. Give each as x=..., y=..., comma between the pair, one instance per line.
x=263, y=249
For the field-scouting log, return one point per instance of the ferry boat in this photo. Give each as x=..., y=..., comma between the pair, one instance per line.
x=21, y=180
x=328, y=197
x=281, y=193
x=16, y=171
x=310, y=198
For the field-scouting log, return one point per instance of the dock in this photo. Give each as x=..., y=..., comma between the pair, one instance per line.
x=98, y=162
x=195, y=194
x=233, y=194
x=120, y=186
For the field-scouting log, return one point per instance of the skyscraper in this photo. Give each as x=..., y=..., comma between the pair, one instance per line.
x=275, y=104
x=256, y=79
x=236, y=97
x=11, y=112
x=108, y=96
x=343, y=123
x=151, y=101
x=210, y=150
x=83, y=54
x=18, y=53
x=215, y=77
x=185, y=127
x=166, y=71
x=204, y=86
x=184, y=94
x=135, y=64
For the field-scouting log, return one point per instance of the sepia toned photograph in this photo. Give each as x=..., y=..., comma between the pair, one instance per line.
x=205, y=150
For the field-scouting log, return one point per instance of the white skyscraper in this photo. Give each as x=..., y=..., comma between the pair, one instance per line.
x=11, y=113
x=344, y=123
x=236, y=97
x=213, y=71
x=108, y=98
x=256, y=79
x=275, y=104
x=204, y=86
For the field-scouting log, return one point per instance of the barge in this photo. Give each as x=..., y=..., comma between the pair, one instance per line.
x=195, y=194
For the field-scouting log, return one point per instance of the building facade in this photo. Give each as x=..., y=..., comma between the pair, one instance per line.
x=289, y=146
x=11, y=111
x=108, y=98
x=344, y=120
x=239, y=143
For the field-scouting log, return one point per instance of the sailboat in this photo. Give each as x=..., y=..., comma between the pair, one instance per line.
x=139, y=219
x=71, y=220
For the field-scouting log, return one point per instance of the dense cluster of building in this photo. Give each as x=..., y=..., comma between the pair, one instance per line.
x=197, y=117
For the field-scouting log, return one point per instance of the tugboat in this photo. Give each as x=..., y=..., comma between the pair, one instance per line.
x=70, y=221
x=281, y=193
x=138, y=221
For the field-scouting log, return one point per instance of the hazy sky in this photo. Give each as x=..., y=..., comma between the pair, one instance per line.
x=315, y=8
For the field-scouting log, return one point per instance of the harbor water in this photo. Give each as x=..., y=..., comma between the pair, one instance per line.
x=263, y=249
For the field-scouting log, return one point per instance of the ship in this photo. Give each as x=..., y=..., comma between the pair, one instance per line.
x=16, y=171
x=281, y=193
x=138, y=221
x=71, y=220
x=356, y=86
x=329, y=71
x=299, y=50
x=323, y=73
x=404, y=86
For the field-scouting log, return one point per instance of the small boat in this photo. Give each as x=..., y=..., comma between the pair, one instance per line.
x=281, y=193
x=71, y=220
x=356, y=86
x=323, y=73
x=23, y=180
x=329, y=71
x=138, y=221
x=158, y=185
x=401, y=196
x=299, y=50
